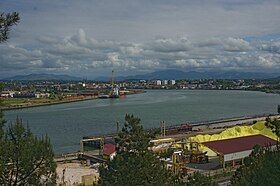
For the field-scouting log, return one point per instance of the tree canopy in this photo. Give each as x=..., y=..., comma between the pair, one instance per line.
x=274, y=125
x=134, y=164
x=260, y=168
x=24, y=158
x=6, y=21
x=2, y=120
x=198, y=179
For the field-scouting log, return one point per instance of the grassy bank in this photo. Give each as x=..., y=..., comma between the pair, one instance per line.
x=20, y=103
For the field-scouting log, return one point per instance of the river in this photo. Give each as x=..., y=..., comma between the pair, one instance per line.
x=66, y=124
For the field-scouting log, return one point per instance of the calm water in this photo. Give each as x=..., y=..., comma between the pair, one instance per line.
x=66, y=124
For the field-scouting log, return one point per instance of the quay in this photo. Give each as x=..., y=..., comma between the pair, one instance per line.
x=206, y=127
x=212, y=124
x=89, y=155
x=232, y=122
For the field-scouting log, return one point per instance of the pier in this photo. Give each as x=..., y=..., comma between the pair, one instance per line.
x=93, y=156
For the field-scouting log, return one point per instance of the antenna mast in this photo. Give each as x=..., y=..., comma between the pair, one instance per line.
x=112, y=78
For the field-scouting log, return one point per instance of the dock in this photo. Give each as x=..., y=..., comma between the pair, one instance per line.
x=93, y=156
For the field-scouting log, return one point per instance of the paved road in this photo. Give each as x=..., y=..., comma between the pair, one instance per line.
x=232, y=123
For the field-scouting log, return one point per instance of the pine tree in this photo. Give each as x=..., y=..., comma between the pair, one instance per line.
x=260, y=168
x=134, y=164
x=2, y=120
x=198, y=179
x=25, y=159
x=6, y=21
x=274, y=125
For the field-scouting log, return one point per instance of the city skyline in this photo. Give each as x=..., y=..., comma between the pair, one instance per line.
x=84, y=38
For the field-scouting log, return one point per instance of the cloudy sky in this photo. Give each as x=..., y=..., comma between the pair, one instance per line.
x=83, y=38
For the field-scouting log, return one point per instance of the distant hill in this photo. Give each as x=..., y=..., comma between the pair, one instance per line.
x=178, y=74
x=41, y=77
x=276, y=78
x=161, y=75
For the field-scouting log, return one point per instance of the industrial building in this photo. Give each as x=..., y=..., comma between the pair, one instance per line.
x=233, y=151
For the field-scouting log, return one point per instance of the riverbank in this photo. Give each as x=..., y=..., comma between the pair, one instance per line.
x=28, y=104
x=22, y=103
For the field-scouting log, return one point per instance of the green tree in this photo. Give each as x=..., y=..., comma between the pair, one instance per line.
x=198, y=179
x=274, y=125
x=2, y=120
x=134, y=164
x=260, y=168
x=6, y=21
x=1, y=86
x=25, y=159
x=133, y=137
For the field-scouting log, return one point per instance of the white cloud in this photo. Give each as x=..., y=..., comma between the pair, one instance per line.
x=80, y=55
x=170, y=45
x=236, y=45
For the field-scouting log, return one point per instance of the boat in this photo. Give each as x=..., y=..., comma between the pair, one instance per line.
x=103, y=96
x=115, y=93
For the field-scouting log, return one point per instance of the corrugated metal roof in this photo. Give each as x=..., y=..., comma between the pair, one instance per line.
x=234, y=145
x=109, y=149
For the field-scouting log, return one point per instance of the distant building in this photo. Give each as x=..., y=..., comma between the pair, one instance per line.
x=164, y=82
x=7, y=94
x=158, y=82
x=172, y=82
x=42, y=95
x=260, y=85
x=26, y=95
x=192, y=86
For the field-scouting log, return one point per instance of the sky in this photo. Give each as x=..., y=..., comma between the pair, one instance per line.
x=86, y=38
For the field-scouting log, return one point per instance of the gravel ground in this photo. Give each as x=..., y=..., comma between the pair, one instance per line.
x=73, y=172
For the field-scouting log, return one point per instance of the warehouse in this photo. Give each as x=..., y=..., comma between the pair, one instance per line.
x=233, y=151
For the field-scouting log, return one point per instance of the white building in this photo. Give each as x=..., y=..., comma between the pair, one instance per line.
x=172, y=82
x=7, y=94
x=158, y=82
x=164, y=82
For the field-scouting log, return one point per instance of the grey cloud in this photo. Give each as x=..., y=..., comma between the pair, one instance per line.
x=170, y=45
x=272, y=46
x=82, y=54
x=236, y=45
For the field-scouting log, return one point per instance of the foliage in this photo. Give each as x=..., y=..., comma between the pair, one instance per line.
x=260, y=168
x=2, y=120
x=132, y=137
x=167, y=154
x=1, y=86
x=24, y=158
x=274, y=125
x=198, y=179
x=134, y=164
x=6, y=21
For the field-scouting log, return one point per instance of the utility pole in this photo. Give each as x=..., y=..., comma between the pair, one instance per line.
x=113, y=81
x=163, y=128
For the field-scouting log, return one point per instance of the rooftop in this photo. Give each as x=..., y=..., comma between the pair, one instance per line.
x=240, y=144
x=109, y=149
